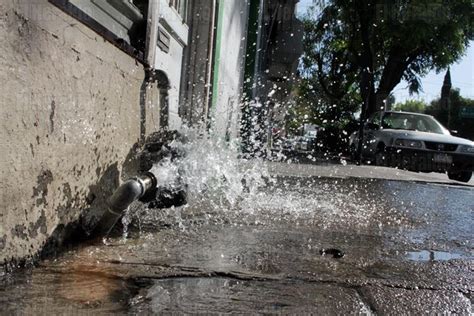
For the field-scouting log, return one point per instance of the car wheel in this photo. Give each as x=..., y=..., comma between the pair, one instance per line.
x=463, y=176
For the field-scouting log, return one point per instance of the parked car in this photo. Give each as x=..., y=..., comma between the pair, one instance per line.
x=415, y=142
x=288, y=144
x=301, y=143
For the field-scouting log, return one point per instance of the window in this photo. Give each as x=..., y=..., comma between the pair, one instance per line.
x=413, y=122
x=122, y=22
x=181, y=6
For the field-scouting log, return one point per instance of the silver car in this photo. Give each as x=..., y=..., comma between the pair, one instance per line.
x=416, y=142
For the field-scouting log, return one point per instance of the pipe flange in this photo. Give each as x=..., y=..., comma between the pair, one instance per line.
x=142, y=184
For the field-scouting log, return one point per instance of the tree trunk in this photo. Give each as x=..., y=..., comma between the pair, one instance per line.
x=397, y=64
x=367, y=87
x=380, y=100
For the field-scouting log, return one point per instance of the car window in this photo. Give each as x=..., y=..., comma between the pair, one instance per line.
x=420, y=126
x=413, y=122
x=394, y=122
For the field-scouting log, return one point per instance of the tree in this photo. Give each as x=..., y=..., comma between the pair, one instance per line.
x=464, y=126
x=371, y=45
x=322, y=109
x=416, y=106
x=390, y=102
x=334, y=115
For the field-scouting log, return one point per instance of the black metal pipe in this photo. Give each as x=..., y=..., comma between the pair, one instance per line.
x=130, y=191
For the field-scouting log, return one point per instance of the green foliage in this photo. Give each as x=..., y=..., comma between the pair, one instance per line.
x=369, y=46
x=323, y=109
x=416, y=106
x=313, y=106
x=335, y=116
x=390, y=101
x=464, y=126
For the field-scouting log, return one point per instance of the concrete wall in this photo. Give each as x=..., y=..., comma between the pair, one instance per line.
x=70, y=116
x=75, y=109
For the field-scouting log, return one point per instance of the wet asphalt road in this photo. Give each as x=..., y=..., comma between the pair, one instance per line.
x=408, y=248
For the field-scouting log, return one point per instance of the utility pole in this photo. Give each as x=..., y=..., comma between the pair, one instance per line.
x=363, y=118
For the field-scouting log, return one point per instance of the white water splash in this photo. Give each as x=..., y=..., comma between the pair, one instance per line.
x=218, y=181
x=212, y=169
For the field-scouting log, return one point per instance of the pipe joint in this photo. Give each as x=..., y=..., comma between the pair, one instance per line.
x=130, y=191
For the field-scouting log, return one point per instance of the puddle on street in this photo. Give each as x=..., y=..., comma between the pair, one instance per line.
x=224, y=295
x=79, y=289
x=429, y=255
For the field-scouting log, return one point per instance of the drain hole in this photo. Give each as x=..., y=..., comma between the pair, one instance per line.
x=335, y=253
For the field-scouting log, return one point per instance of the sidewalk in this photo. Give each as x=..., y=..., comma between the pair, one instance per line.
x=329, y=169
x=407, y=250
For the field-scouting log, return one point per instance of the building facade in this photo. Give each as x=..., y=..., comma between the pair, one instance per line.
x=213, y=73
x=276, y=35
x=84, y=82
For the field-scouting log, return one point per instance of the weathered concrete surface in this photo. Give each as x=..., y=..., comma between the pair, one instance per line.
x=70, y=109
x=322, y=168
x=419, y=302
x=264, y=256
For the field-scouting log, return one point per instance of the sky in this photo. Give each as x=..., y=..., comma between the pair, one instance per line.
x=462, y=75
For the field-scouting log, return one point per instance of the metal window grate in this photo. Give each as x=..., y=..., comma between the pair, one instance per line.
x=164, y=40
